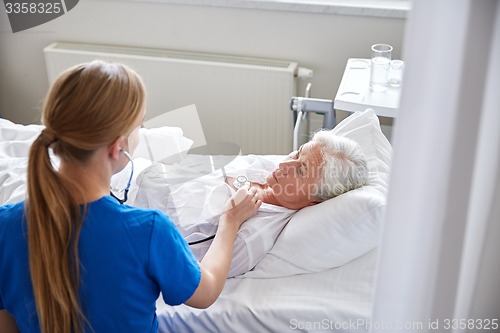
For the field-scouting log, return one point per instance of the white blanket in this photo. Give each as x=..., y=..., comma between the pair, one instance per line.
x=15, y=141
x=194, y=202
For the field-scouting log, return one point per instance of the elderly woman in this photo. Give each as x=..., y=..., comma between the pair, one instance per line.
x=321, y=169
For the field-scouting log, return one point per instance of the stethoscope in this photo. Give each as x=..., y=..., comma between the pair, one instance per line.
x=240, y=181
x=127, y=188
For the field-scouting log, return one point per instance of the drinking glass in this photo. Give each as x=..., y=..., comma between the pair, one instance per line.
x=380, y=64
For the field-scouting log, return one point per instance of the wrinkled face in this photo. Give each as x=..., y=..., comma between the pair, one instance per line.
x=294, y=181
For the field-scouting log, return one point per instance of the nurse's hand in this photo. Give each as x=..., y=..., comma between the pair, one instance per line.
x=215, y=265
x=242, y=205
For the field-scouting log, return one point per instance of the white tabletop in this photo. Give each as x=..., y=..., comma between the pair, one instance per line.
x=354, y=92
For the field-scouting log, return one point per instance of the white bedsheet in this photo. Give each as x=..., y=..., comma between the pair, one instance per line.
x=15, y=141
x=337, y=300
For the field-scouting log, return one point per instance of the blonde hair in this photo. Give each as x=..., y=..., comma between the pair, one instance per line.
x=88, y=107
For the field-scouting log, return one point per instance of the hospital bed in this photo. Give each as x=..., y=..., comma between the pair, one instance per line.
x=317, y=277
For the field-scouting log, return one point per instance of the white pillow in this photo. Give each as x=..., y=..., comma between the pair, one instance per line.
x=160, y=144
x=341, y=229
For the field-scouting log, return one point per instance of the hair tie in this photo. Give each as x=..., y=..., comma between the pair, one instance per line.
x=48, y=137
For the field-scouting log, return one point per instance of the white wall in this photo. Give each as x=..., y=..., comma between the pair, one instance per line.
x=322, y=42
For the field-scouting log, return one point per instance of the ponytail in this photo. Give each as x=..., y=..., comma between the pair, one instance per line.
x=53, y=248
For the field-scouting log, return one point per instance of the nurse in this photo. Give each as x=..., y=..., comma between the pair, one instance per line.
x=72, y=258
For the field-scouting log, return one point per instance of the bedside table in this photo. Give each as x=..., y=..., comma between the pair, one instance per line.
x=354, y=92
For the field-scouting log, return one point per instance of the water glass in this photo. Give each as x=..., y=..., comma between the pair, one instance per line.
x=380, y=64
x=396, y=73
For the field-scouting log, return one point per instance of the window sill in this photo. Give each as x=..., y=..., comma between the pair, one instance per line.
x=377, y=8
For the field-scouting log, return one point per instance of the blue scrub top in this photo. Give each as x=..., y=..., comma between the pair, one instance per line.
x=127, y=256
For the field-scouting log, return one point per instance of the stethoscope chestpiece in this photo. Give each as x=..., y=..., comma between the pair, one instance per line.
x=240, y=181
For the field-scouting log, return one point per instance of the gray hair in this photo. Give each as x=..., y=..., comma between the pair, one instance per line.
x=344, y=165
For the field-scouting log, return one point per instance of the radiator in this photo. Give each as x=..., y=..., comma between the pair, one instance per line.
x=241, y=100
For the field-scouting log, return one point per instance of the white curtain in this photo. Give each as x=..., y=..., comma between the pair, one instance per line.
x=439, y=262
